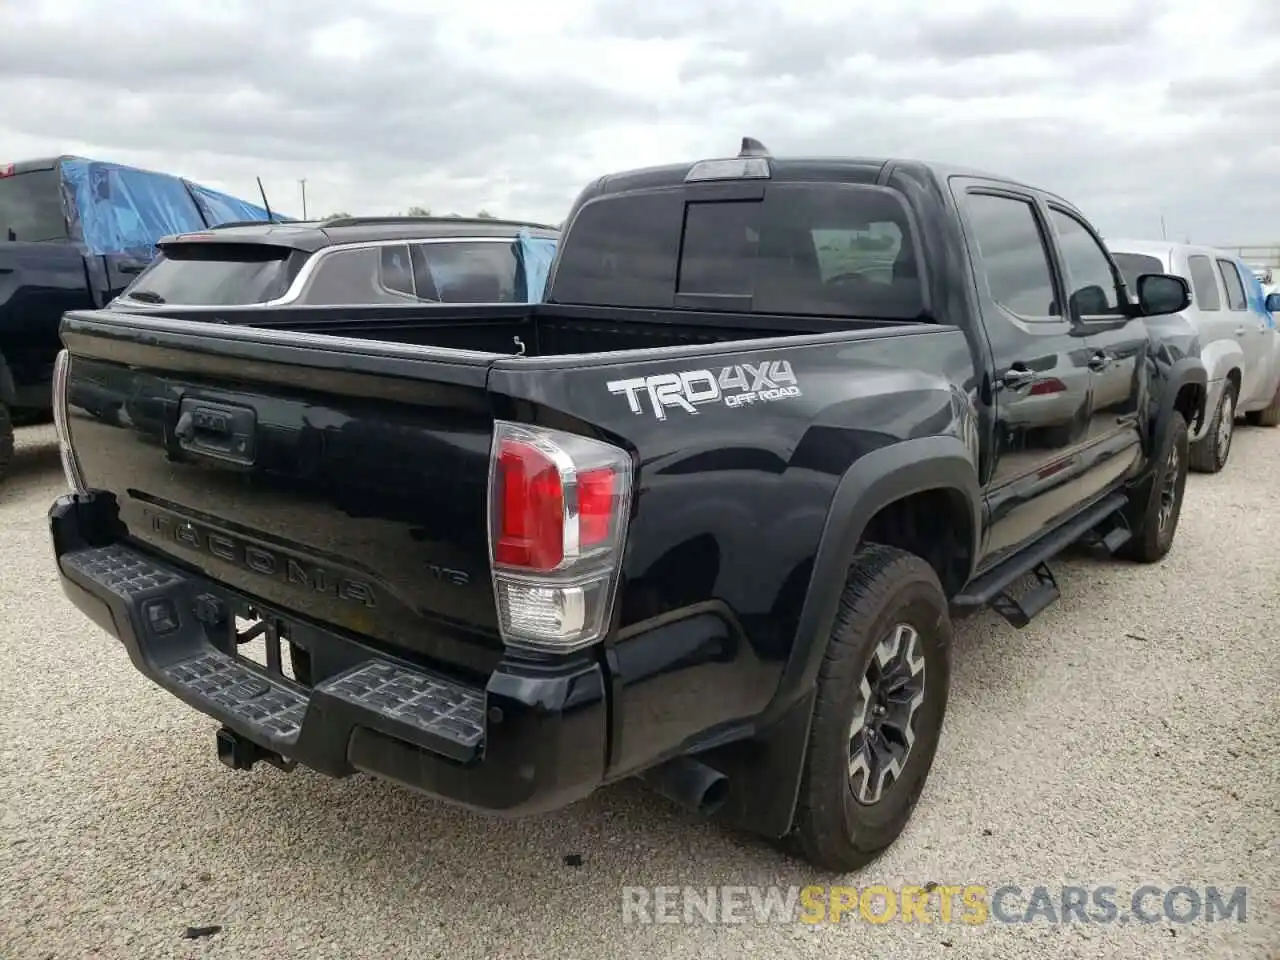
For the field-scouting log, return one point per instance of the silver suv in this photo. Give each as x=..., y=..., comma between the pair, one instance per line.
x=1239, y=341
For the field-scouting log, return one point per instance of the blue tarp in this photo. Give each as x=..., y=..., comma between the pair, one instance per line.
x=223, y=208
x=1255, y=293
x=125, y=210
x=536, y=254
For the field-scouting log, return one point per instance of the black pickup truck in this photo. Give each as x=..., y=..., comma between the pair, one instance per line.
x=74, y=233
x=702, y=517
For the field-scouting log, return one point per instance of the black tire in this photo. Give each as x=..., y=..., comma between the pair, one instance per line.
x=1152, y=539
x=1209, y=454
x=6, y=441
x=885, y=587
x=1266, y=417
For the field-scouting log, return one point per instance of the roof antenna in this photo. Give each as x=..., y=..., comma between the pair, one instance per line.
x=271, y=217
x=751, y=147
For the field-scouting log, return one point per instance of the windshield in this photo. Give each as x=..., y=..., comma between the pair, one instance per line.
x=214, y=274
x=821, y=249
x=1134, y=265
x=31, y=207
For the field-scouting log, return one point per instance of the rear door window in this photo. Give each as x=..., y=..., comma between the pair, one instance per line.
x=215, y=274
x=835, y=250
x=1204, y=286
x=1013, y=255
x=1235, y=289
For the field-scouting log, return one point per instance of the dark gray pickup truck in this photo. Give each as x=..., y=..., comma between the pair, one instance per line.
x=703, y=517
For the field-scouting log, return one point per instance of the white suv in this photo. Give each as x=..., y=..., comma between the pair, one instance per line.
x=1240, y=344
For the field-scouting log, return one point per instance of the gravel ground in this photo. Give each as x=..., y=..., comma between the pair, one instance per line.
x=1127, y=737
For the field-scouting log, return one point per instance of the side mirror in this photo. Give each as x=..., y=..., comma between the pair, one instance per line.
x=1161, y=293
x=1272, y=303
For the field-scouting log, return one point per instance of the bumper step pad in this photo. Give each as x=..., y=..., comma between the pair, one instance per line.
x=244, y=694
x=431, y=704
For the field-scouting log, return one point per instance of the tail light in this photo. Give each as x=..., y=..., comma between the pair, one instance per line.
x=70, y=465
x=558, y=510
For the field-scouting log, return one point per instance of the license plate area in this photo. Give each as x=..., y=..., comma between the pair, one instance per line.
x=263, y=640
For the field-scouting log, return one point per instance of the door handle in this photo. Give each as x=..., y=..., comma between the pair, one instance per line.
x=1014, y=378
x=1240, y=331
x=1099, y=361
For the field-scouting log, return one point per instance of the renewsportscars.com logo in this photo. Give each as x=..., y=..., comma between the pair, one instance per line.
x=739, y=385
x=934, y=903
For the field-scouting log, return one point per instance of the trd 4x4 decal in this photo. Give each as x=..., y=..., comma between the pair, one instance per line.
x=736, y=386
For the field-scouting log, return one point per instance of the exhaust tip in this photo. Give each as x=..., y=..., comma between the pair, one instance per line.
x=690, y=783
x=715, y=796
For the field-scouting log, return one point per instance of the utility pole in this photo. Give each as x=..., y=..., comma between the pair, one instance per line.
x=1163, y=234
x=303, y=184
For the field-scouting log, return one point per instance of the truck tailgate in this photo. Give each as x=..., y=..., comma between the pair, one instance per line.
x=343, y=481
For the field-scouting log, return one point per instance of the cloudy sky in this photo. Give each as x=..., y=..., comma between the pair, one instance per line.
x=1131, y=109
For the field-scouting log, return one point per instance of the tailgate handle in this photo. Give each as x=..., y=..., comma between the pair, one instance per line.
x=217, y=430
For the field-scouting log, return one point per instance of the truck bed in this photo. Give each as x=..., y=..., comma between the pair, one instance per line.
x=541, y=330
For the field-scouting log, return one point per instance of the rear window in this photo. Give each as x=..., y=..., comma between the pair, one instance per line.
x=818, y=249
x=31, y=206
x=215, y=275
x=454, y=271
x=1134, y=265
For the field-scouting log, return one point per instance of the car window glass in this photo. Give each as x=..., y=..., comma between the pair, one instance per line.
x=1203, y=284
x=1092, y=284
x=1134, y=265
x=214, y=274
x=394, y=269
x=1235, y=288
x=818, y=249
x=349, y=278
x=468, y=271
x=1012, y=251
x=31, y=207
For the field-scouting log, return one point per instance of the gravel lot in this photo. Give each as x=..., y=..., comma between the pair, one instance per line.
x=1127, y=737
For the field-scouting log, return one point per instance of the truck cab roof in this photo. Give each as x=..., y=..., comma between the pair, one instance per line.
x=817, y=169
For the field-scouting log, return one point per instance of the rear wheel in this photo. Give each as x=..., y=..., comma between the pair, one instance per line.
x=1157, y=523
x=882, y=695
x=1266, y=417
x=6, y=441
x=1209, y=454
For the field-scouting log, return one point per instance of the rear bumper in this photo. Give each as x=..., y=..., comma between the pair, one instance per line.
x=532, y=739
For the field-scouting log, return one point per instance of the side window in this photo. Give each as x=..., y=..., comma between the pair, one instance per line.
x=1092, y=284
x=1203, y=284
x=1014, y=258
x=395, y=273
x=466, y=271
x=350, y=278
x=1235, y=288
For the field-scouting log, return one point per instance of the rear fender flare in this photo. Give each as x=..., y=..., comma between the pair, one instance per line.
x=8, y=389
x=1184, y=372
x=872, y=483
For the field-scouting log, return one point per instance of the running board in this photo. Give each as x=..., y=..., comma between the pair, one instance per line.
x=992, y=588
